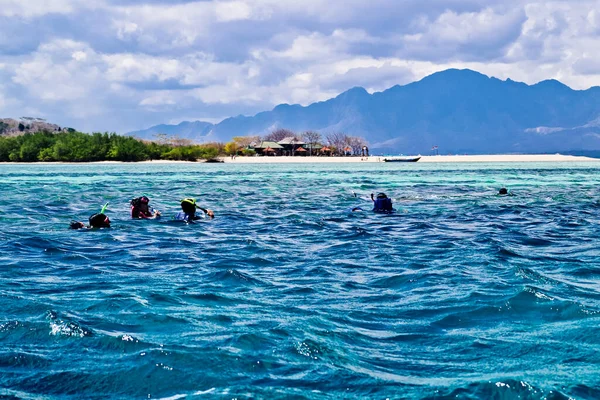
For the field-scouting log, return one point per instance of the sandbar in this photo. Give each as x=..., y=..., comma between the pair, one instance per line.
x=492, y=158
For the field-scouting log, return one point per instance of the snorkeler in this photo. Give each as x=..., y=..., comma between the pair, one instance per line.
x=505, y=192
x=189, y=207
x=99, y=220
x=382, y=203
x=141, y=210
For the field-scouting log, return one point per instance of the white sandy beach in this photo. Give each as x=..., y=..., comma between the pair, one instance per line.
x=424, y=159
x=495, y=158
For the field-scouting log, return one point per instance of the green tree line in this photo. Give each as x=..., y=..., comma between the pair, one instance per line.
x=75, y=146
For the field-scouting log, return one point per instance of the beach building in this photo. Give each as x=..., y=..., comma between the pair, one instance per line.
x=292, y=146
x=314, y=148
x=267, y=148
x=289, y=146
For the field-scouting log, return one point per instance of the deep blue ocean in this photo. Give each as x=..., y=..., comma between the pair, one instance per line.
x=285, y=294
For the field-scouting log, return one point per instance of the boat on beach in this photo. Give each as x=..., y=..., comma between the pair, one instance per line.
x=402, y=159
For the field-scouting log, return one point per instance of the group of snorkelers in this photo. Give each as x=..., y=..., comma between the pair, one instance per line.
x=141, y=209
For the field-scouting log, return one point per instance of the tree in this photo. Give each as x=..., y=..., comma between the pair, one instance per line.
x=245, y=141
x=156, y=150
x=126, y=148
x=356, y=143
x=336, y=142
x=312, y=138
x=179, y=142
x=21, y=127
x=8, y=146
x=279, y=134
x=231, y=148
x=161, y=138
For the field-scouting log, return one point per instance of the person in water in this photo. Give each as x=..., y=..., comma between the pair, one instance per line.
x=99, y=220
x=140, y=209
x=505, y=192
x=188, y=213
x=382, y=203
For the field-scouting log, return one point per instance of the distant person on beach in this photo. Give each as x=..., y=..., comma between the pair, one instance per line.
x=140, y=209
x=188, y=213
x=382, y=203
x=99, y=220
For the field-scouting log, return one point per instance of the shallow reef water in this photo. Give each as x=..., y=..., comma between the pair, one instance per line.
x=287, y=294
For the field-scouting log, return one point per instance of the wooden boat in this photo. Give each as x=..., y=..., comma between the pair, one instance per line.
x=402, y=159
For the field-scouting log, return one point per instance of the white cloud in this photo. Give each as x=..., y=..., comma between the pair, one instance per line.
x=587, y=65
x=159, y=99
x=122, y=66
x=35, y=8
x=125, y=29
x=139, y=68
x=58, y=71
x=79, y=55
x=232, y=11
x=310, y=47
x=468, y=36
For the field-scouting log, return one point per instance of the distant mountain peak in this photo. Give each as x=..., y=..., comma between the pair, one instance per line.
x=553, y=84
x=455, y=73
x=353, y=94
x=286, y=106
x=459, y=110
x=355, y=90
x=192, y=130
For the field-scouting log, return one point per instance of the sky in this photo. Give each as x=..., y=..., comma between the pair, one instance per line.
x=122, y=65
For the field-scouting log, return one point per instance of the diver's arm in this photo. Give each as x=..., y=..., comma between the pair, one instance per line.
x=77, y=225
x=143, y=214
x=210, y=213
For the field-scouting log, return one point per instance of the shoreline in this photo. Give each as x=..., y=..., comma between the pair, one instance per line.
x=490, y=158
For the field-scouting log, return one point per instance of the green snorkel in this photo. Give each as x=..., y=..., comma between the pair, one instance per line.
x=104, y=208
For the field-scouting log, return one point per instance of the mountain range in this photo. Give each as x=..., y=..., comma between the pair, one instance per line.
x=460, y=111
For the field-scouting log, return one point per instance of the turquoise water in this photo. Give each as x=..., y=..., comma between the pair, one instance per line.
x=460, y=294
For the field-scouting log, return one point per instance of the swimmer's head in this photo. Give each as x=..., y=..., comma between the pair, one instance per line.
x=188, y=205
x=144, y=203
x=503, y=191
x=139, y=201
x=382, y=195
x=99, y=220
